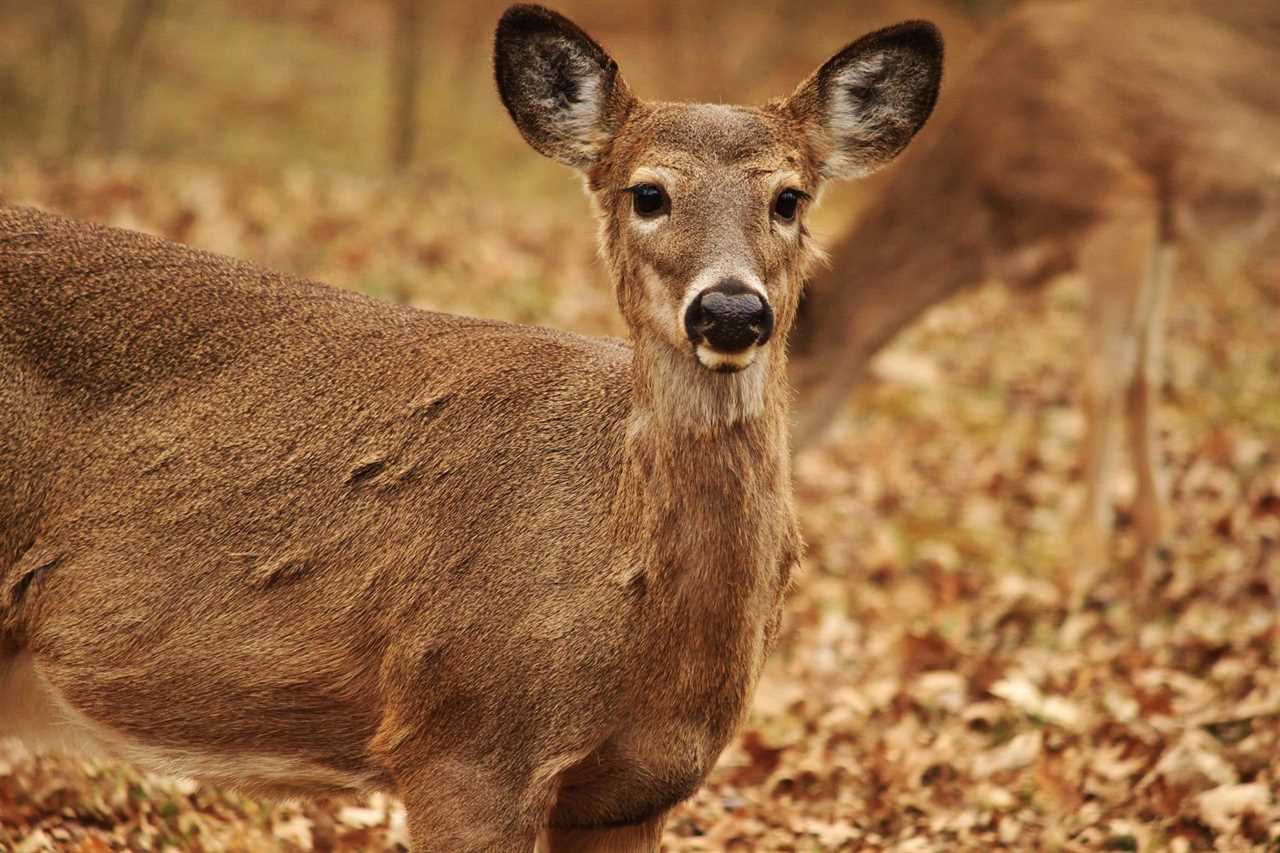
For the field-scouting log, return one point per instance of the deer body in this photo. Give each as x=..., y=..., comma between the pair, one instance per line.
x=348, y=426
x=1086, y=138
x=274, y=535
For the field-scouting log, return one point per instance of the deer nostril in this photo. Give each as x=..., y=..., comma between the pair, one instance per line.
x=729, y=317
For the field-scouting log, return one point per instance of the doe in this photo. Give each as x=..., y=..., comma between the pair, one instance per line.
x=274, y=535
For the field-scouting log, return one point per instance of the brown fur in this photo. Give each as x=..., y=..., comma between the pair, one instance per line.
x=1088, y=137
x=280, y=536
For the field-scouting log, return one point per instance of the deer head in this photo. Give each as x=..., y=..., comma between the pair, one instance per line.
x=703, y=205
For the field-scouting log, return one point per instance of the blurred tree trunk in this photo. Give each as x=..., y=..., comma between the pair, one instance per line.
x=406, y=78
x=118, y=83
x=72, y=34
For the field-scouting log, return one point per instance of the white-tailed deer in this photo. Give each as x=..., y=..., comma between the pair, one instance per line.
x=270, y=534
x=1088, y=137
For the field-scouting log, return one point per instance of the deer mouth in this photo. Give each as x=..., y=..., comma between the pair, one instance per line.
x=724, y=362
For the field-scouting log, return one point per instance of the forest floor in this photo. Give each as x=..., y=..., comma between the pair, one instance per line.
x=938, y=686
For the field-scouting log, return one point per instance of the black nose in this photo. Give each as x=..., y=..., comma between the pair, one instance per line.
x=729, y=316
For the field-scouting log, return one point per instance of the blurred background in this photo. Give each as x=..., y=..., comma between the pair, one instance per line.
x=935, y=688
x=260, y=118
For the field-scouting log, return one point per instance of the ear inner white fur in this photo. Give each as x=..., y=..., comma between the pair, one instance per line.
x=867, y=102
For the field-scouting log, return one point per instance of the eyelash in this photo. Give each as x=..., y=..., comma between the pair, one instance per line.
x=800, y=198
x=636, y=190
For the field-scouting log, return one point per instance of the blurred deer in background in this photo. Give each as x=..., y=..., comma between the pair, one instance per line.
x=1096, y=138
x=270, y=534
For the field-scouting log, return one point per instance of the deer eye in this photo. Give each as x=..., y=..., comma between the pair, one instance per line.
x=649, y=200
x=785, y=205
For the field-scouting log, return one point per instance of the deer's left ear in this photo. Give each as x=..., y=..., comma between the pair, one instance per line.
x=864, y=104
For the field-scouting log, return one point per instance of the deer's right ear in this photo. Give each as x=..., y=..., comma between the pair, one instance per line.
x=563, y=91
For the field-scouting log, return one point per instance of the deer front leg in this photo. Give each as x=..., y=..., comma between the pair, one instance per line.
x=1114, y=262
x=1102, y=420
x=457, y=808
x=1141, y=398
x=635, y=838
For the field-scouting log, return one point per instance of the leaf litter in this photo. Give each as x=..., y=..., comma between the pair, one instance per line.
x=935, y=686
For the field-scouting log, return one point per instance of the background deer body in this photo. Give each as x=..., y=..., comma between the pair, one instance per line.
x=275, y=535
x=1052, y=156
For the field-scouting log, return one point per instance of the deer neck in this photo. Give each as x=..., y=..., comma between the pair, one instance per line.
x=707, y=473
x=708, y=537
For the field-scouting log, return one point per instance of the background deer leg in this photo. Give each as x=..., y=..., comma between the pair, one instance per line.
x=1102, y=410
x=1114, y=262
x=637, y=838
x=1140, y=402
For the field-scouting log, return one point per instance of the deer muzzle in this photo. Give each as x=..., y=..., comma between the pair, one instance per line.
x=726, y=322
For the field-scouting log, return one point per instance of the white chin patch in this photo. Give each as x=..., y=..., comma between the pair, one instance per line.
x=725, y=362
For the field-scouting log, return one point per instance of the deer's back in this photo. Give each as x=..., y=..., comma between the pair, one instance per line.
x=192, y=436
x=1077, y=110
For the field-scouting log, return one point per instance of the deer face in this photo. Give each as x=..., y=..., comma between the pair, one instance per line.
x=703, y=208
x=703, y=205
